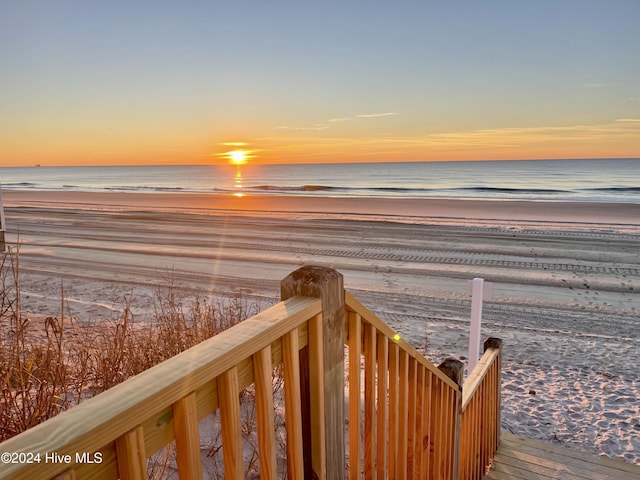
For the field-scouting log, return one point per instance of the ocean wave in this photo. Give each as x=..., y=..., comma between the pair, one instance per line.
x=329, y=188
x=19, y=185
x=413, y=191
x=167, y=189
x=299, y=188
x=512, y=190
x=614, y=189
x=128, y=188
x=396, y=189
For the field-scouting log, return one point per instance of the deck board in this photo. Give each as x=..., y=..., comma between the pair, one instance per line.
x=523, y=458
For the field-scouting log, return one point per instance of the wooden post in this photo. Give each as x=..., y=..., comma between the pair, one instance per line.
x=328, y=285
x=454, y=369
x=493, y=342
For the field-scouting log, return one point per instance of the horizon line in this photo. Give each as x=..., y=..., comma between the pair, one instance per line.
x=37, y=165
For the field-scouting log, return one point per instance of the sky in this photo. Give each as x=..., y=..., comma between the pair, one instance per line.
x=186, y=82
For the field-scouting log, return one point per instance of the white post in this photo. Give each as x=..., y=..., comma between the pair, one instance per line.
x=477, y=296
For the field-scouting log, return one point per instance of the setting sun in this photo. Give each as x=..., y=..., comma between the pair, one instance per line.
x=238, y=156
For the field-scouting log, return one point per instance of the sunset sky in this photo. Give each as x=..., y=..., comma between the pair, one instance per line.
x=157, y=82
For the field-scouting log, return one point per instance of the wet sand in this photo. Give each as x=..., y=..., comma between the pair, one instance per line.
x=404, y=209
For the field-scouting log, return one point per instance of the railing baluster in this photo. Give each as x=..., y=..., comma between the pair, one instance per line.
x=491, y=405
x=491, y=394
x=473, y=437
x=418, y=452
x=484, y=431
x=228, y=393
x=465, y=448
x=427, y=458
x=457, y=426
x=383, y=406
x=403, y=414
x=185, y=426
x=488, y=414
x=263, y=380
x=132, y=460
x=293, y=413
x=476, y=419
x=445, y=442
x=413, y=415
x=435, y=437
x=355, y=352
x=452, y=434
x=477, y=431
x=393, y=407
x=496, y=404
x=370, y=429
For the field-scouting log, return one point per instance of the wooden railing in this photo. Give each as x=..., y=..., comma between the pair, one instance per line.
x=405, y=415
x=411, y=408
x=480, y=433
x=120, y=428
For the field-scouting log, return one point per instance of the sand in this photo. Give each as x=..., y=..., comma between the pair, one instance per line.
x=566, y=280
x=403, y=209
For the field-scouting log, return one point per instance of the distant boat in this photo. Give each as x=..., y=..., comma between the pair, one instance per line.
x=37, y=165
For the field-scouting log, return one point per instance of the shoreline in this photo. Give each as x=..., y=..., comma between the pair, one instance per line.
x=622, y=214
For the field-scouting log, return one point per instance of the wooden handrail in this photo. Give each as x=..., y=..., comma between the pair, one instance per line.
x=478, y=376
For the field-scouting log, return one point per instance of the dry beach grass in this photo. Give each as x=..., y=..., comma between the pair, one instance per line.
x=52, y=363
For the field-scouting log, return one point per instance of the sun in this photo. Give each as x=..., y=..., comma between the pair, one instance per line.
x=238, y=157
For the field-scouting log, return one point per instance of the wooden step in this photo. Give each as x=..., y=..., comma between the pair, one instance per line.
x=523, y=458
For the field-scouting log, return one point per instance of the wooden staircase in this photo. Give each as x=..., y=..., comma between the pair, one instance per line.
x=406, y=418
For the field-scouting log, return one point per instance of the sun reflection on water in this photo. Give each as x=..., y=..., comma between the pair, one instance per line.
x=239, y=182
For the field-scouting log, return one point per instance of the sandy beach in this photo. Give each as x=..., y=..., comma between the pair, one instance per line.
x=566, y=295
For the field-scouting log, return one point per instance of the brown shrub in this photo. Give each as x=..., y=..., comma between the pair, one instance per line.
x=42, y=375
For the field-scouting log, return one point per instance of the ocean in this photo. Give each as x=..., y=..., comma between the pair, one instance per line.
x=598, y=180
